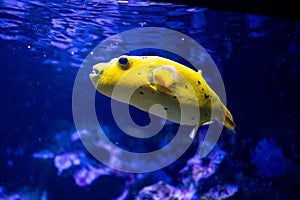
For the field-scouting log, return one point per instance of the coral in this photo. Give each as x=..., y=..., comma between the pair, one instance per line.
x=220, y=192
x=23, y=194
x=269, y=159
x=86, y=175
x=162, y=191
x=65, y=161
x=72, y=158
x=83, y=169
x=198, y=168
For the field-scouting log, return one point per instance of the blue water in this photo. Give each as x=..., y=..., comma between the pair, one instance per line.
x=43, y=45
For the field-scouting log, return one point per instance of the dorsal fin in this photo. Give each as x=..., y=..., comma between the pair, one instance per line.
x=200, y=72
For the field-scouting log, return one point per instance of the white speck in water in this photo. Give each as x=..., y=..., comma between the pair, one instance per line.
x=28, y=46
x=122, y=1
x=142, y=24
x=72, y=52
x=182, y=39
x=117, y=43
x=92, y=53
x=44, y=55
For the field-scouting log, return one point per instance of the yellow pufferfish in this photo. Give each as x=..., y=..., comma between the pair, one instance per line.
x=182, y=92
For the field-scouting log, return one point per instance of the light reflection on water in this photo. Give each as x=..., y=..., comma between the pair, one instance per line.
x=64, y=32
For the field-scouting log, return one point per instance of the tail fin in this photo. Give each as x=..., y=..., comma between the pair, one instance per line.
x=228, y=122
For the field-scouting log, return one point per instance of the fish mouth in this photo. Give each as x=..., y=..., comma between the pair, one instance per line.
x=96, y=74
x=95, y=71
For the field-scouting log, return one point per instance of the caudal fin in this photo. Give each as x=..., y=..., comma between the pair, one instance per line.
x=228, y=122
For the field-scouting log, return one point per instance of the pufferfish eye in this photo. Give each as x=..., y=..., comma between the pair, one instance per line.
x=123, y=61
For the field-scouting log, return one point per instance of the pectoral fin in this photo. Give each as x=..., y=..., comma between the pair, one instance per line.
x=162, y=78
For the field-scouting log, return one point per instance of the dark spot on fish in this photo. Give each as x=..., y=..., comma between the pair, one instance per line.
x=186, y=87
x=199, y=82
x=174, y=97
x=166, y=108
x=151, y=78
x=139, y=73
x=101, y=72
x=206, y=96
x=202, y=89
x=141, y=92
x=152, y=92
x=141, y=86
x=206, y=114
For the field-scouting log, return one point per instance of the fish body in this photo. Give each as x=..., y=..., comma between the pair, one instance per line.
x=183, y=93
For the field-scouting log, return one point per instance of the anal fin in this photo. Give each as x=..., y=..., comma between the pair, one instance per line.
x=194, y=132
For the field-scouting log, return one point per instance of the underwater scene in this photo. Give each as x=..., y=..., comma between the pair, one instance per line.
x=133, y=100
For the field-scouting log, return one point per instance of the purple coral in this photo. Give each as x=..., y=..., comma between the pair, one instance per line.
x=86, y=175
x=66, y=161
x=162, y=191
x=85, y=171
x=220, y=192
x=198, y=168
x=269, y=159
